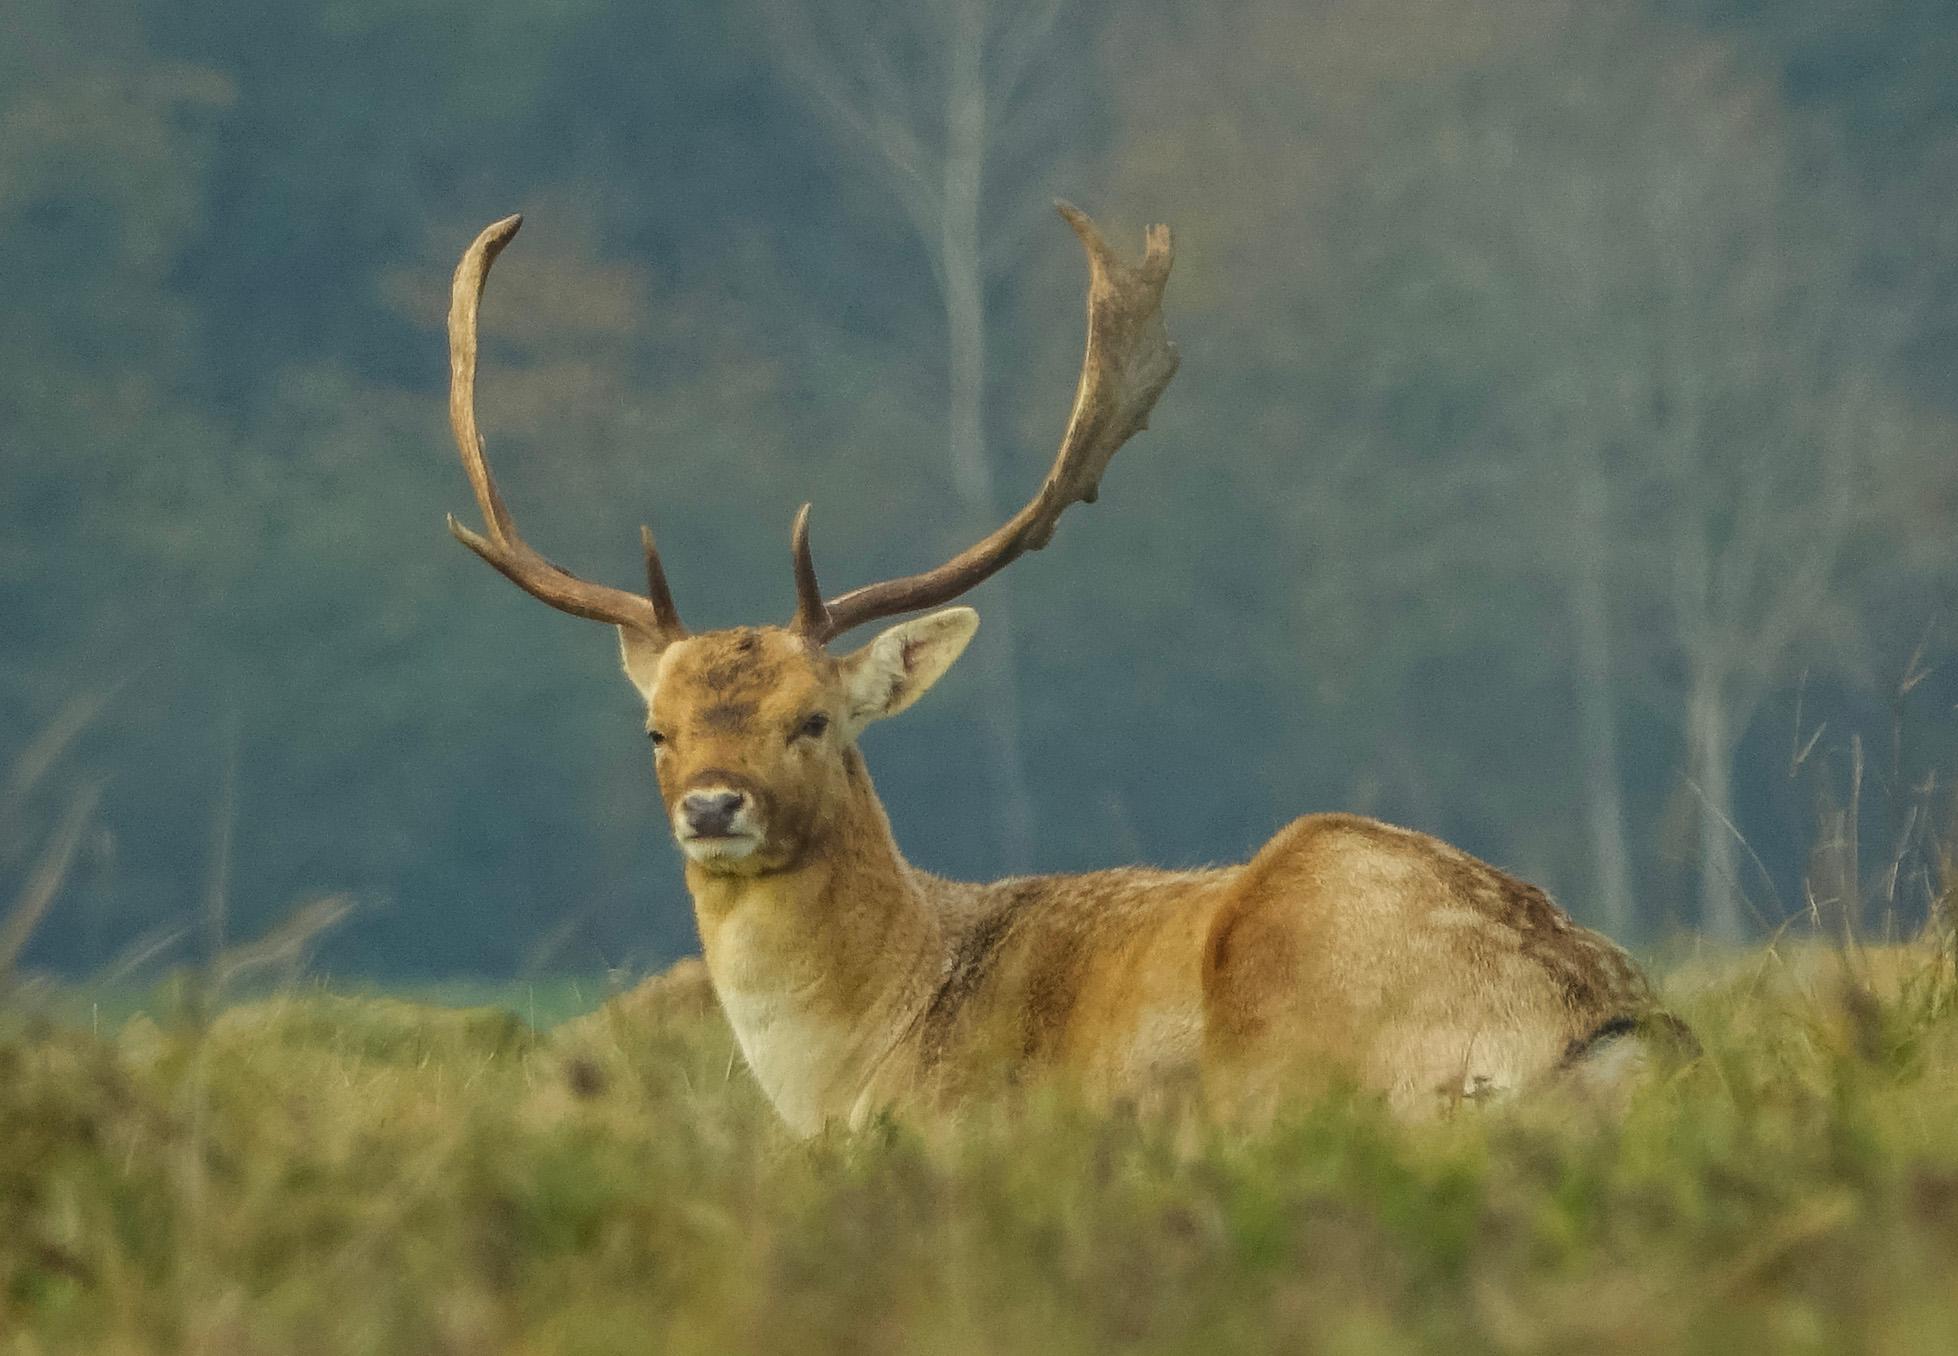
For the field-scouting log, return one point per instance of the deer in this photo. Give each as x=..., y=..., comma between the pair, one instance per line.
x=1346, y=950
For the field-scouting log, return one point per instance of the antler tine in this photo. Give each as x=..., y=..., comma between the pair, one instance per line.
x=811, y=612
x=1128, y=361
x=657, y=591
x=653, y=615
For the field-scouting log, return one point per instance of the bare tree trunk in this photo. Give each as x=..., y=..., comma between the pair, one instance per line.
x=869, y=100
x=1597, y=731
x=959, y=251
x=962, y=262
x=1710, y=754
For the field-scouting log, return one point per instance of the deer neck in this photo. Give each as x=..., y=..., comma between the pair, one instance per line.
x=822, y=968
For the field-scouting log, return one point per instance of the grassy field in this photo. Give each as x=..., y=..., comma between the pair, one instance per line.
x=317, y=1172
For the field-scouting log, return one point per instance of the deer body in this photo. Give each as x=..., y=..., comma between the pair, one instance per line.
x=853, y=981
x=1122, y=981
x=1346, y=949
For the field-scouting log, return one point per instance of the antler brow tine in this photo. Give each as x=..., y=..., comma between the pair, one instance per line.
x=652, y=615
x=1128, y=361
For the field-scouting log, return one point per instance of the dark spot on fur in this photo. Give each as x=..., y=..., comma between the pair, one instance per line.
x=1222, y=934
x=1591, y=979
x=1578, y=982
x=1581, y=1046
x=1052, y=989
x=972, y=961
x=739, y=677
x=1656, y=1024
x=736, y=667
x=728, y=716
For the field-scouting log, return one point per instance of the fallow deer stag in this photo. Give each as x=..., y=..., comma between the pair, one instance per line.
x=854, y=981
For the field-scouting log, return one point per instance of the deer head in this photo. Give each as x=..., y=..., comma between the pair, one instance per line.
x=754, y=729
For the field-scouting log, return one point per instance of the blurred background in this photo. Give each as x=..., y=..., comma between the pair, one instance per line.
x=1564, y=458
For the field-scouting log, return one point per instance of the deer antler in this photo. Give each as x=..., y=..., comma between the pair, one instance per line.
x=652, y=615
x=1129, y=361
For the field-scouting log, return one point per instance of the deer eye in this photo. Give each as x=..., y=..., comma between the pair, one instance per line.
x=813, y=727
x=658, y=737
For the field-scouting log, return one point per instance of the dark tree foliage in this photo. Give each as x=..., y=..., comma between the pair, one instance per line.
x=1330, y=576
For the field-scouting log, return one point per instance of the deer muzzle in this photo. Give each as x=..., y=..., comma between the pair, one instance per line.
x=717, y=823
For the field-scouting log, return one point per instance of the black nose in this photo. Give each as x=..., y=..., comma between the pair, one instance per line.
x=711, y=813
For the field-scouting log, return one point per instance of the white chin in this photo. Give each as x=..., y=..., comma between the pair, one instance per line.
x=708, y=851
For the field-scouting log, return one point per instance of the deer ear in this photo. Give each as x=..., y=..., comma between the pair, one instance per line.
x=898, y=667
x=640, y=654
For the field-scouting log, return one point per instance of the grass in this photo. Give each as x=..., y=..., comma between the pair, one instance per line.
x=321, y=1172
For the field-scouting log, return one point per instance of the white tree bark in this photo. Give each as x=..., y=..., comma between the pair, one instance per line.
x=1710, y=750
x=963, y=273
x=1597, y=698
x=931, y=143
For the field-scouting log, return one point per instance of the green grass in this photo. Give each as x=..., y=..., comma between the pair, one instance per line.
x=539, y=1003
x=325, y=1173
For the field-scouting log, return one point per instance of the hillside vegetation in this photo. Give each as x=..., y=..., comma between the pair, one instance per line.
x=324, y=1173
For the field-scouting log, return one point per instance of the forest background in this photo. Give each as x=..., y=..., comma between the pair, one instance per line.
x=1562, y=460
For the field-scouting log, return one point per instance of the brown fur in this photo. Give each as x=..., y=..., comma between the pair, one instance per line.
x=1346, y=950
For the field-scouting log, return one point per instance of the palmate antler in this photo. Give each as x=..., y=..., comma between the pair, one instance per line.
x=1129, y=360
